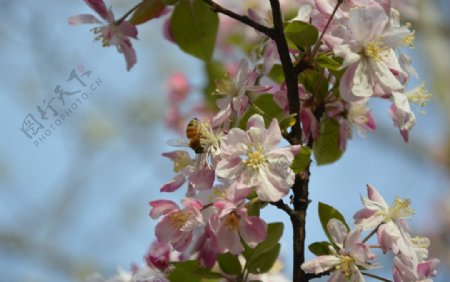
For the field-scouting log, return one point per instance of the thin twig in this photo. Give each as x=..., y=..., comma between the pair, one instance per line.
x=371, y=233
x=119, y=21
x=241, y=18
x=376, y=277
x=316, y=48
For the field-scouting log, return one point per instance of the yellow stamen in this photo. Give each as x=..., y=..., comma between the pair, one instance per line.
x=373, y=50
x=178, y=219
x=255, y=157
x=409, y=39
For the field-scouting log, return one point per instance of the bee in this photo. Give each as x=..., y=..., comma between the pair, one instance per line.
x=200, y=138
x=195, y=132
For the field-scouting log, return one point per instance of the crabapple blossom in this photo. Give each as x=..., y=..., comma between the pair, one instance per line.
x=178, y=225
x=207, y=247
x=347, y=53
x=424, y=271
x=198, y=174
x=251, y=157
x=231, y=221
x=116, y=33
x=158, y=256
x=232, y=91
x=343, y=262
x=368, y=43
x=392, y=231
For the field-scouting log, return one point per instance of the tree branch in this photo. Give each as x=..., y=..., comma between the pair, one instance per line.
x=288, y=69
x=300, y=189
x=282, y=206
x=243, y=19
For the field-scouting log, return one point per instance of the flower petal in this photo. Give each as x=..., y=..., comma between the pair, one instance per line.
x=83, y=19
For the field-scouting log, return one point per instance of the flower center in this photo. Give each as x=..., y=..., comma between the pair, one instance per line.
x=255, y=157
x=178, y=219
x=401, y=208
x=232, y=221
x=226, y=87
x=373, y=50
x=346, y=265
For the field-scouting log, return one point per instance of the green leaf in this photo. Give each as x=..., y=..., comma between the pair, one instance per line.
x=194, y=27
x=274, y=233
x=301, y=34
x=229, y=264
x=149, y=9
x=326, y=213
x=330, y=63
x=301, y=160
x=266, y=103
x=264, y=262
x=320, y=248
x=276, y=74
x=254, y=208
x=190, y=270
x=315, y=83
x=326, y=147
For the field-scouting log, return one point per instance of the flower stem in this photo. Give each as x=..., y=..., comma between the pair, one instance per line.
x=119, y=21
x=371, y=233
x=316, y=48
x=260, y=111
x=243, y=19
x=376, y=277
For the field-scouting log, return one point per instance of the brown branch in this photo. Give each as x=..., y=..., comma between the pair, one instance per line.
x=288, y=69
x=282, y=206
x=300, y=188
x=241, y=18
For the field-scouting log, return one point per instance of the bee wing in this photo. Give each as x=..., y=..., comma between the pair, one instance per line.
x=177, y=142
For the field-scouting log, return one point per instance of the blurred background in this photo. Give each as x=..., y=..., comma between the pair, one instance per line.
x=75, y=201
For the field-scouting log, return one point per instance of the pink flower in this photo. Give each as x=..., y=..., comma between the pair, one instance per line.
x=368, y=52
x=344, y=261
x=417, y=267
x=178, y=225
x=158, y=256
x=231, y=221
x=392, y=231
x=233, y=90
x=251, y=158
x=424, y=271
x=206, y=246
x=112, y=33
x=179, y=88
x=198, y=174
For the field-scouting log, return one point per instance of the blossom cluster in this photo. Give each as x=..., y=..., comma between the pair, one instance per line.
x=232, y=171
x=348, y=254
x=237, y=161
